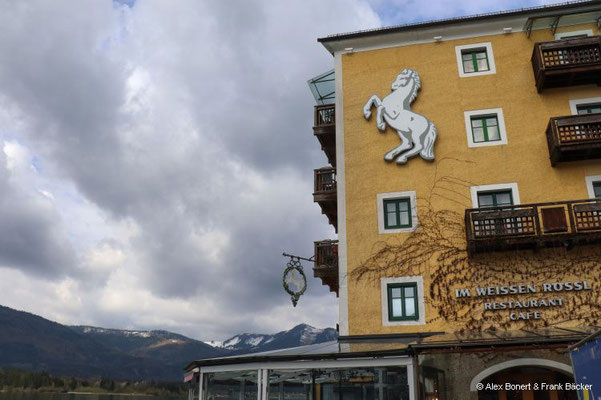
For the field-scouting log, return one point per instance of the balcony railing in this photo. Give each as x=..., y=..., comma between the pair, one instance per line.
x=567, y=62
x=324, y=128
x=325, y=180
x=325, y=193
x=575, y=137
x=564, y=223
x=326, y=263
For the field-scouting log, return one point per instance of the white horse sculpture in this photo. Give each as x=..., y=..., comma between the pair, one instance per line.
x=417, y=133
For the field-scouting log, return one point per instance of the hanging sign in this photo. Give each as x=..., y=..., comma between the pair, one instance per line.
x=294, y=280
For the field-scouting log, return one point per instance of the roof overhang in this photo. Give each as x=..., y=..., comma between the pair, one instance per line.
x=542, y=17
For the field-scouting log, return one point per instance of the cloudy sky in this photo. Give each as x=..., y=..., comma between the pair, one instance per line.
x=157, y=157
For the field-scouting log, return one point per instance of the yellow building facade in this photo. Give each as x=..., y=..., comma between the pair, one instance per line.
x=446, y=183
x=498, y=234
x=464, y=183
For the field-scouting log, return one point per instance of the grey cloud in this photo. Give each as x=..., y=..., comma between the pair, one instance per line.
x=30, y=235
x=216, y=138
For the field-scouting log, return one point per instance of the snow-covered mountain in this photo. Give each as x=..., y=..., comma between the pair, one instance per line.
x=300, y=335
x=30, y=342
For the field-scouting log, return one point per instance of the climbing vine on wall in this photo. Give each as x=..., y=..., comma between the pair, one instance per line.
x=437, y=250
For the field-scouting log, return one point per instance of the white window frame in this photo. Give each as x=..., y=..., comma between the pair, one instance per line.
x=515, y=194
x=589, y=184
x=492, y=69
x=380, y=197
x=587, y=32
x=574, y=103
x=419, y=280
x=481, y=113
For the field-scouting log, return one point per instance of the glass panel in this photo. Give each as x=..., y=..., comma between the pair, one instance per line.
x=481, y=55
x=597, y=189
x=391, y=219
x=485, y=200
x=478, y=135
x=405, y=218
x=397, y=310
x=409, y=291
x=404, y=205
x=504, y=198
x=396, y=292
x=390, y=207
x=410, y=307
x=362, y=383
x=482, y=65
x=476, y=123
x=232, y=385
x=468, y=66
x=588, y=109
x=467, y=56
x=493, y=133
x=491, y=121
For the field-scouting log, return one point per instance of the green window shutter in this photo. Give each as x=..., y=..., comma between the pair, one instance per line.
x=403, y=302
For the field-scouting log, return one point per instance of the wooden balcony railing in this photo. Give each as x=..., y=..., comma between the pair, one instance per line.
x=325, y=193
x=326, y=263
x=325, y=180
x=564, y=223
x=325, y=115
x=575, y=137
x=324, y=128
x=567, y=62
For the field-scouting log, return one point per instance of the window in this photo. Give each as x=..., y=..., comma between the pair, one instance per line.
x=591, y=105
x=475, y=59
x=583, y=109
x=402, y=301
x=574, y=34
x=397, y=212
x=593, y=186
x=495, y=198
x=502, y=194
x=485, y=127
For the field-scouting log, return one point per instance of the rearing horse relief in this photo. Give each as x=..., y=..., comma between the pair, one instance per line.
x=417, y=133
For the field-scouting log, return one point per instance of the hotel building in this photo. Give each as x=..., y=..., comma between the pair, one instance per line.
x=464, y=183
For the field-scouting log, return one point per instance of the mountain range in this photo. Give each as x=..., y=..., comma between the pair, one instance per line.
x=33, y=343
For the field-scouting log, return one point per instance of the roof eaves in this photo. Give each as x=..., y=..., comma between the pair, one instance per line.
x=454, y=20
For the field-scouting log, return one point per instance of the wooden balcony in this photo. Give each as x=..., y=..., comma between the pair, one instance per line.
x=567, y=62
x=575, y=137
x=566, y=223
x=324, y=128
x=325, y=194
x=326, y=263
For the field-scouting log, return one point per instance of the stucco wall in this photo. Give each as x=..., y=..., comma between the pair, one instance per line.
x=445, y=183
